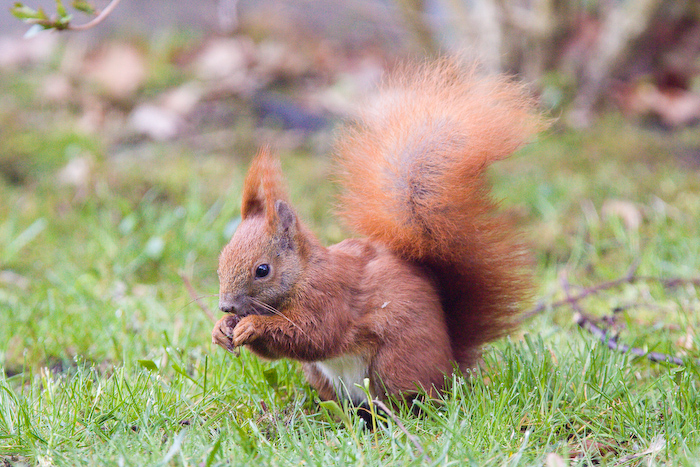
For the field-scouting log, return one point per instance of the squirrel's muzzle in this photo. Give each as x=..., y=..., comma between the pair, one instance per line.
x=232, y=304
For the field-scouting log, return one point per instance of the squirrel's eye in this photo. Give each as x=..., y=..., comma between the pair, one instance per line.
x=262, y=270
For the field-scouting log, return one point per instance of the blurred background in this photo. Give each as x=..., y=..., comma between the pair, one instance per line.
x=122, y=155
x=164, y=62
x=123, y=148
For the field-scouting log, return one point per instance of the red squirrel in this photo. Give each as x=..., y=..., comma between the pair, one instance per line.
x=437, y=273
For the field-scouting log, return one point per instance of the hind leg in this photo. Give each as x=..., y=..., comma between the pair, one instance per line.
x=319, y=382
x=405, y=369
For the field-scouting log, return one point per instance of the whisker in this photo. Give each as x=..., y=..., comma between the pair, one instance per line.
x=272, y=309
x=193, y=299
x=196, y=299
x=199, y=297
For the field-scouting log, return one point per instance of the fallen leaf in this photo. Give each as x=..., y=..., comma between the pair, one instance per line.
x=593, y=448
x=12, y=278
x=16, y=52
x=627, y=211
x=57, y=88
x=94, y=112
x=554, y=460
x=277, y=60
x=163, y=118
x=118, y=69
x=674, y=107
x=688, y=340
x=182, y=100
x=77, y=173
x=221, y=58
x=156, y=122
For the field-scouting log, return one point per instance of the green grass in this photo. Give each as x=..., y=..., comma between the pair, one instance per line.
x=106, y=359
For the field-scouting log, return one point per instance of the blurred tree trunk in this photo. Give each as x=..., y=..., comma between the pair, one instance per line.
x=589, y=44
x=535, y=37
x=621, y=27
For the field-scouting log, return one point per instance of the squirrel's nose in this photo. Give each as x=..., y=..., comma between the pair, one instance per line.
x=230, y=304
x=227, y=307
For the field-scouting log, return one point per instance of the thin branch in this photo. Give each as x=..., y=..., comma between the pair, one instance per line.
x=396, y=420
x=629, y=278
x=98, y=19
x=586, y=323
x=195, y=297
x=657, y=444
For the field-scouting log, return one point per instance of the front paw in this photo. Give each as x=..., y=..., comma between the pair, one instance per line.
x=245, y=332
x=223, y=331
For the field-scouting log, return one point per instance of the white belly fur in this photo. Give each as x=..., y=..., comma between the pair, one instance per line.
x=346, y=373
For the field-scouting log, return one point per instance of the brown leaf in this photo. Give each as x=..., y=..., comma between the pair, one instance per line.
x=77, y=172
x=675, y=107
x=118, y=69
x=164, y=119
x=276, y=60
x=12, y=278
x=593, y=448
x=156, y=122
x=16, y=51
x=554, y=460
x=627, y=211
x=221, y=58
x=182, y=100
x=57, y=88
x=94, y=113
x=687, y=341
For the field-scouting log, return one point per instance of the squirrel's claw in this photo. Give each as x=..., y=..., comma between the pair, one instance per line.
x=244, y=332
x=223, y=331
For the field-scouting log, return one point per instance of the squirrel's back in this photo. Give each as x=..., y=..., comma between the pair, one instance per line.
x=412, y=167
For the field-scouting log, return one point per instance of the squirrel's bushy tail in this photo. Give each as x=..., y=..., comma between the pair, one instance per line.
x=412, y=167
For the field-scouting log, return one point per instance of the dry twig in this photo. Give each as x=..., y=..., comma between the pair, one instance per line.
x=629, y=278
x=587, y=323
x=98, y=19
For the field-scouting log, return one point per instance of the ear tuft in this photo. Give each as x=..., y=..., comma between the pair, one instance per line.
x=263, y=186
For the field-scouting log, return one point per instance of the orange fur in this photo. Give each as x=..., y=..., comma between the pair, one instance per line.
x=413, y=171
x=263, y=185
x=439, y=272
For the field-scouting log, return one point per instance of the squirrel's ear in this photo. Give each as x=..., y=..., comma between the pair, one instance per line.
x=263, y=185
x=286, y=220
x=253, y=203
